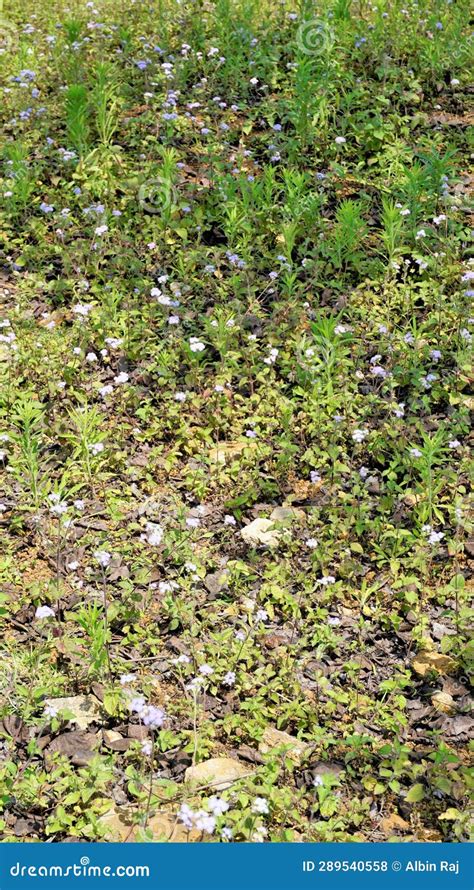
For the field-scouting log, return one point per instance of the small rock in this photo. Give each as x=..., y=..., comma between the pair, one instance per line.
x=137, y=732
x=443, y=702
x=26, y=827
x=274, y=738
x=115, y=741
x=14, y=727
x=287, y=514
x=261, y=532
x=250, y=754
x=324, y=769
x=120, y=825
x=85, y=709
x=77, y=745
x=219, y=772
x=440, y=630
x=109, y=736
x=216, y=582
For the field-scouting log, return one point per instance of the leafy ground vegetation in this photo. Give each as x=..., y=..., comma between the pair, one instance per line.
x=235, y=356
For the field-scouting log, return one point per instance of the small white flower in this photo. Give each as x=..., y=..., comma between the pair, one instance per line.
x=125, y=679
x=259, y=834
x=182, y=659
x=311, y=543
x=82, y=309
x=435, y=537
x=340, y=140
x=359, y=435
x=260, y=805
x=229, y=678
x=121, y=378
x=217, y=805
x=204, y=822
x=229, y=520
x=154, y=534
x=58, y=508
x=44, y=612
x=196, y=345
x=186, y=815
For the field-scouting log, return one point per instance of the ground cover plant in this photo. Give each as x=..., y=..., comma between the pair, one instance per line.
x=235, y=360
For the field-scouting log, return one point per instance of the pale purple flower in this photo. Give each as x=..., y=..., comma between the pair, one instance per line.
x=152, y=717
x=50, y=711
x=103, y=557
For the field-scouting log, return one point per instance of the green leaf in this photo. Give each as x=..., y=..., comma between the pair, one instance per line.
x=415, y=794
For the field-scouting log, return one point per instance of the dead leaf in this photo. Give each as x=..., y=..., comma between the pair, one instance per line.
x=392, y=823
x=433, y=661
